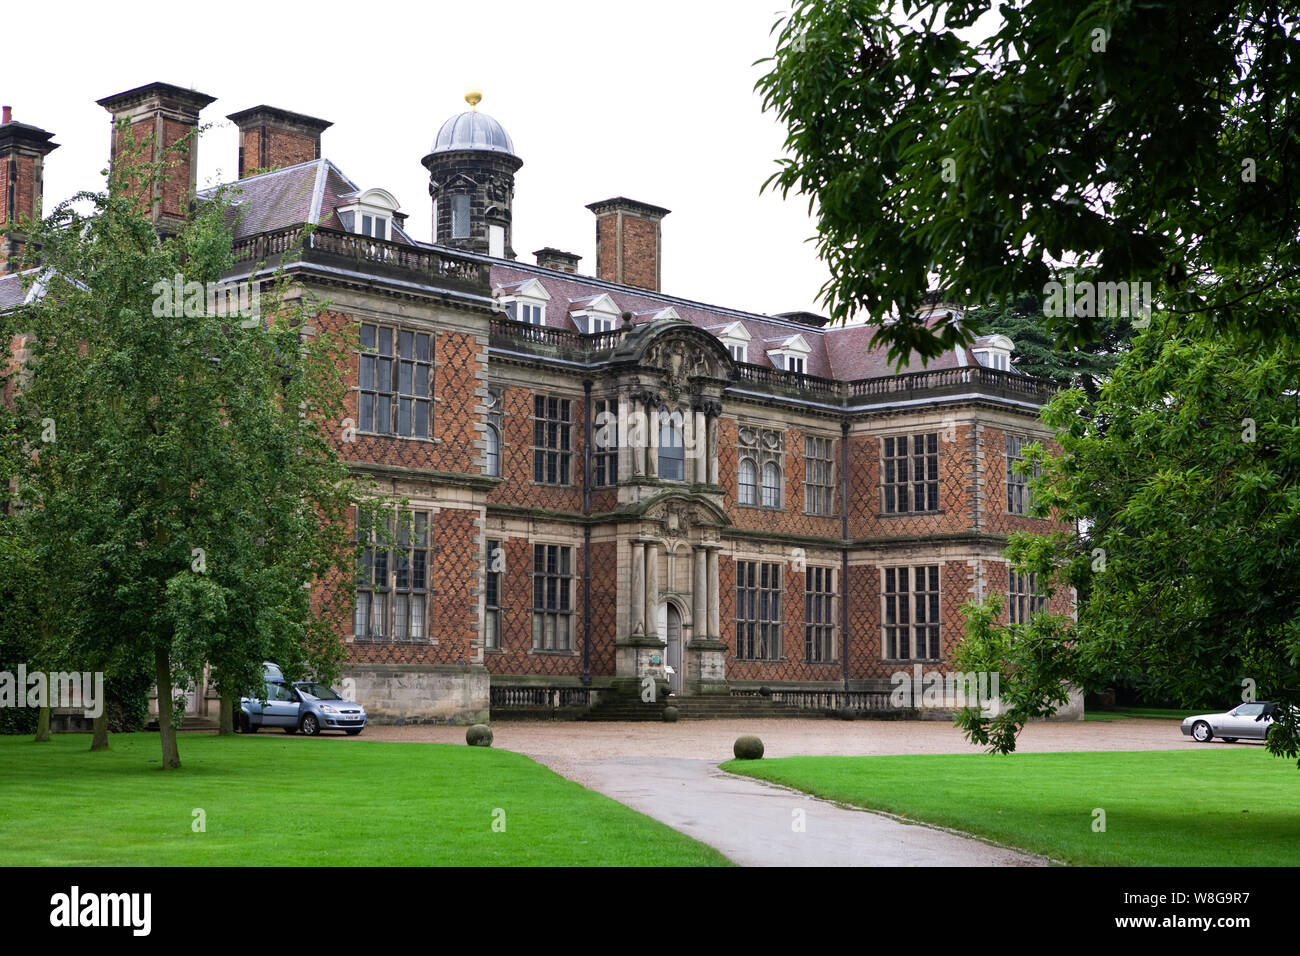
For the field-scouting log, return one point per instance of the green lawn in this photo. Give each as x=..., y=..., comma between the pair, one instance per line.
x=295, y=801
x=1152, y=713
x=1221, y=807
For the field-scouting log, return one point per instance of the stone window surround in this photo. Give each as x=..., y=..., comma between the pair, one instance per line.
x=831, y=476
x=429, y=511
x=754, y=449
x=367, y=317
x=910, y=595
x=830, y=596
x=908, y=485
x=767, y=595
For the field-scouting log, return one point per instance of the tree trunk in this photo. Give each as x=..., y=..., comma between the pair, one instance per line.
x=43, y=725
x=100, y=739
x=162, y=665
x=226, y=720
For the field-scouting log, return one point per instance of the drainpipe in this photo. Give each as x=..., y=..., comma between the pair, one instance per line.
x=586, y=540
x=844, y=554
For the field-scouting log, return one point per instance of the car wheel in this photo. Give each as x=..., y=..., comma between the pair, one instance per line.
x=310, y=725
x=1229, y=740
x=353, y=733
x=1201, y=732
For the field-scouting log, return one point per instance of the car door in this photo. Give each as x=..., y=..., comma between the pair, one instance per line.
x=1241, y=722
x=281, y=708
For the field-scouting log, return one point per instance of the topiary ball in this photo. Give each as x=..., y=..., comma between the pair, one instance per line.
x=748, y=747
x=846, y=713
x=479, y=735
x=671, y=714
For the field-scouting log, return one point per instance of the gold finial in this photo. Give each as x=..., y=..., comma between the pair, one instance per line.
x=473, y=97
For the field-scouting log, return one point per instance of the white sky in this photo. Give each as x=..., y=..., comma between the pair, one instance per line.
x=653, y=101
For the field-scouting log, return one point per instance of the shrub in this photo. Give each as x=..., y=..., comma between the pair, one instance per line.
x=670, y=714
x=748, y=747
x=479, y=735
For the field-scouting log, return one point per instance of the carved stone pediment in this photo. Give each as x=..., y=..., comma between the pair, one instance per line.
x=682, y=358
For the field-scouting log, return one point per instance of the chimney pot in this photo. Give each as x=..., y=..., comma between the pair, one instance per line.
x=8, y=113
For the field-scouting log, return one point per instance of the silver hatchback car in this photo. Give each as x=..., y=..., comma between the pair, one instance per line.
x=305, y=706
x=1245, y=722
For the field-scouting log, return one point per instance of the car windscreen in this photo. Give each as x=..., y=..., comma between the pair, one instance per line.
x=319, y=691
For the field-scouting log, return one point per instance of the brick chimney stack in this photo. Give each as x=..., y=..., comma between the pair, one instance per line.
x=23, y=150
x=161, y=114
x=271, y=138
x=629, y=245
x=560, y=261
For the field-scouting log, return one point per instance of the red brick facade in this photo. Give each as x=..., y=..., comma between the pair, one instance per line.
x=665, y=353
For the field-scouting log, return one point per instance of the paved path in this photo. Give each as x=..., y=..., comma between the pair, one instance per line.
x=754, y=823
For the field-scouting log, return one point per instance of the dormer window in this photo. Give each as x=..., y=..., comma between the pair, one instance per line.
x=994, y=351
x=790, y=355
x=598, y=314
x=369, y=214
x=525, y=302
x=735, y=338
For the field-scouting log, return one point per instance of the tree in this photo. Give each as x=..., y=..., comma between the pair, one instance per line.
x=1184, y=474
x=1041, y=354
x=191, y=475
x=1153, y=142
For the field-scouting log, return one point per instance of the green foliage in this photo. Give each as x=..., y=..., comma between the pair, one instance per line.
x=176, y=490
x=1149, y=142
x=1040, y=353
x=479, y=735
x=748, y=747
x=671, y=714
x=1184, y=478
x=1033, y=662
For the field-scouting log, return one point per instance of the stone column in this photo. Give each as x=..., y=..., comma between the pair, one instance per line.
x=625, y=458
x=637, y=597
x=697, y=468
x=652, y=439
x=651, y=590
x=712, y=449
x=700, y=605
x=715, y=626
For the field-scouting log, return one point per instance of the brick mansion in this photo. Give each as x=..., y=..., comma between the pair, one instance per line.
x=609, y=482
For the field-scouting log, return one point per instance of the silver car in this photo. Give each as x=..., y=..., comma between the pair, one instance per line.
x=323, y=709
x=1246, y=722
x=305, y=706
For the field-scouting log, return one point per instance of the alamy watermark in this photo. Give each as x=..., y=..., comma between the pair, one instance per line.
x=175, y=298
x=922, y=688
x=635, y=429
x=78, y=689
x=1087, y=299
